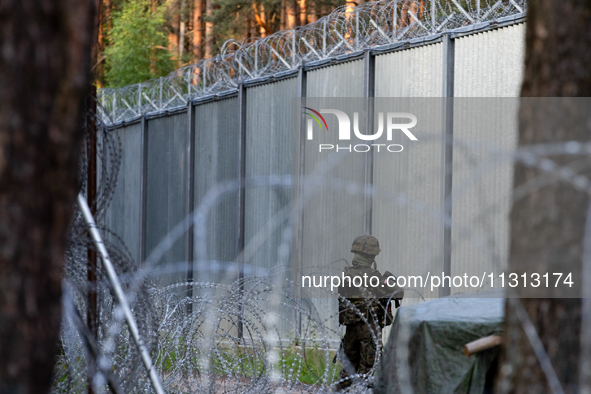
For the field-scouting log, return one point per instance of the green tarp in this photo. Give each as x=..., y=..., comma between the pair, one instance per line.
x=436, y=332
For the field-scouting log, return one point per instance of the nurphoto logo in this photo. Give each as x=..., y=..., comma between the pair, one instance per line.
x=344, y=131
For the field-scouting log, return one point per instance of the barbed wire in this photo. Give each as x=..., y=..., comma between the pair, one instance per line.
x=194, y=339
x=343, y=31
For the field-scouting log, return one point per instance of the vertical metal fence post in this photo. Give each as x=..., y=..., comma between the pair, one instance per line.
x=356, y=28
x=190, y=198
x=297, y=217
x=395, y=21
x=369, y=71
x=293, y=49
x=447, y=153
x=241, y=193
x=256, y=58
x=189, y=84
x=160, y=101
x=139, y=100
x=143, y=189
x=324, y=38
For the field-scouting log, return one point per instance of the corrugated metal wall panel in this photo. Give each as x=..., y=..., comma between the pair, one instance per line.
x=166, y=203
x=123, y=214
x=341, y=80
x=409, y=183
x=268, y=209
x=408, y=199
x=485, y=135
x=490, y=64
x=216, y=162
x=268, y=153
x=412, y=72
x=332, y=218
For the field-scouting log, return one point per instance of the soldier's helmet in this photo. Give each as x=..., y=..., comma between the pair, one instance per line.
x=366, y=244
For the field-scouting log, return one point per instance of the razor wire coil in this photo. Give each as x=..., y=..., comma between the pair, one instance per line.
x=345, y=30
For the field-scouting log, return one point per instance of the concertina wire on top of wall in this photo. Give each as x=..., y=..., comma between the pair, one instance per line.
x=344, y=31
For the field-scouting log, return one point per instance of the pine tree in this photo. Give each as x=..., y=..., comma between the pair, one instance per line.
x=548, y=225
x=44, y=77
x=138, y=50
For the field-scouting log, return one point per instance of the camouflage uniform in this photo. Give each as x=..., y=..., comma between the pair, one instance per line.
x=359, y=346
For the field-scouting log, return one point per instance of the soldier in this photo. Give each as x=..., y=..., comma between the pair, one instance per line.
x=371, y=301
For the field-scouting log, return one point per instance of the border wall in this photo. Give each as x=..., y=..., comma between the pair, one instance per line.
x=173, y=158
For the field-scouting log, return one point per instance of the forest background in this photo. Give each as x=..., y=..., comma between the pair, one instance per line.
x=144, y=39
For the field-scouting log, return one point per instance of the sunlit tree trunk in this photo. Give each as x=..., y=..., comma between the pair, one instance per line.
x=261, y=20
x=283, y=21
x=182, y=29
x=350, y=7
x=173, y=41
x=313, y=12
x=264, y=28
x=104, y=26
x=547, y=226
x=44, y=77
x=251, y=25
x=303, y=12
x=175, y=37
x=209, y=29
x=197, y=30
x=291, y=11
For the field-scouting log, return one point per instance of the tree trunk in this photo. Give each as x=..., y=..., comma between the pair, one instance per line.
x=105, y=25
x=547, y=226
x=283, y=17
x=182, y=29
x=261, y=20
x=107, y=7
x=290, y=9
x=350, y=7
x=303, y=12
x=44, y=76
x=98, y=61
x=313, y=11
x=264, y=29
x=174, y=40
x=209, y=29
x=325, y=10
x=251, y=25
x=197, y=30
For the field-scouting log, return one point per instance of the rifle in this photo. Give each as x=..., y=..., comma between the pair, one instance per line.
x=397, y=301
